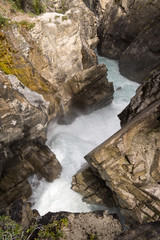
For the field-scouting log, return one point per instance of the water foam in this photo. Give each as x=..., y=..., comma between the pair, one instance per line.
x=71, y=142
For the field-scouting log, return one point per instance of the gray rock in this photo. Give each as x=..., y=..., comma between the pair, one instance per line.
x=128, y=31
x=83, y=226
x=143, y=55
x=148, y=231
x=23, y=119
x=146, y=94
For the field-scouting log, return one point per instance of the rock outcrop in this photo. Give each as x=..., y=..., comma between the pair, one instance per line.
x=92, y=187
x=83, y=226
x=129, y=32
x=129, y=164
x=146, y=94
x=62, y=225
x=147, y=231
x=48, y=71
x=23, y=118
x=86, y=91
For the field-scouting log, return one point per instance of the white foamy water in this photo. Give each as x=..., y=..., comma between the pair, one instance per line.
x=72, y=142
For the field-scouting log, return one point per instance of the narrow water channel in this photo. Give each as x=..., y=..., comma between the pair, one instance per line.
x=72, y=142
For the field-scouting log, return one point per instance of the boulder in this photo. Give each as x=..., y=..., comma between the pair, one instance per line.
x=146, y=94
x=20, y=212
x=86, y=91
x=128, y=162
x=92, y=188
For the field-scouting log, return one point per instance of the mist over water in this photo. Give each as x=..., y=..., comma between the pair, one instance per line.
x=72, y=142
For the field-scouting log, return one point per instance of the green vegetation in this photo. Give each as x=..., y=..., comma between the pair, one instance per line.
x=63, y=8
x=9, y=229
x=35, y=6
x=16, y=5
x=3, y=21
x=11, y=62
x=27, y=25
x=64, y=18
x=92, y=237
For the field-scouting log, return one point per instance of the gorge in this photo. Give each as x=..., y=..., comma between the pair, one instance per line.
x=49, y=72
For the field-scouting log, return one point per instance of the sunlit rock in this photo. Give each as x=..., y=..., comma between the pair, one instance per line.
x=126, y=162
x=23, y=118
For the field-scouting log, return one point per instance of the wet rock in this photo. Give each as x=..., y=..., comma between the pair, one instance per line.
x=127, y=162
x=23, y=118
x=146, y=94
x=87, y=90
x=92, y=188
x=143, y=55
x=128, y=32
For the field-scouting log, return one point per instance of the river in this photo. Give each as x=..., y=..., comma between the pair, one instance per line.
x=72, y=142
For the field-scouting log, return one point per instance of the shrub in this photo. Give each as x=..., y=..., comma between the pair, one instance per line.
x=9, y=229
x=3, y=21
x=26, y=24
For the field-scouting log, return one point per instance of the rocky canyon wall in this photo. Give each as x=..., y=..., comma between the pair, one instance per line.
x=129, y=32
x=49, y=71
x=128, y=162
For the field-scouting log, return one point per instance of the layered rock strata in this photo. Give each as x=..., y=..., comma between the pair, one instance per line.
x=128, y=162
x=146, y=94
x=92, y=188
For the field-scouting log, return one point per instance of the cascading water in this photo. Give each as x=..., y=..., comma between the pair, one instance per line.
x=71, y=142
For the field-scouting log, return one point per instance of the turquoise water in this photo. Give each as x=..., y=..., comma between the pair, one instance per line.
x=71, y=142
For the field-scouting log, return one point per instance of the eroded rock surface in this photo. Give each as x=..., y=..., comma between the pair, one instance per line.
x=146, y=94
x=48, y=70
x=129, y=164
x=129, y=31
x=92, y=188
x=23, y=118
x=83, y=226
x=148, y=231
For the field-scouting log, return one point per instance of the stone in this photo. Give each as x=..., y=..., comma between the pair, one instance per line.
x=147, y=93
x=125, y=161
x=129, y=32
x=20, y=212
x=23, y=118
x=84, y=92
x=142, y=56
x=83, y=226
x=147, y=231
x=92, y=188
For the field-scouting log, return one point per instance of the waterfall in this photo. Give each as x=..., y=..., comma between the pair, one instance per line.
x=71, y=142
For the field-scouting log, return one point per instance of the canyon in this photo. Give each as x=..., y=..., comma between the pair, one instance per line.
x=49, y=72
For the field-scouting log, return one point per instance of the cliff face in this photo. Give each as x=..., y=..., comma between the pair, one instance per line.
x=146, y=94
x=128, y=162
x=49, y=71
x=23, y=133
x=129, y=32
